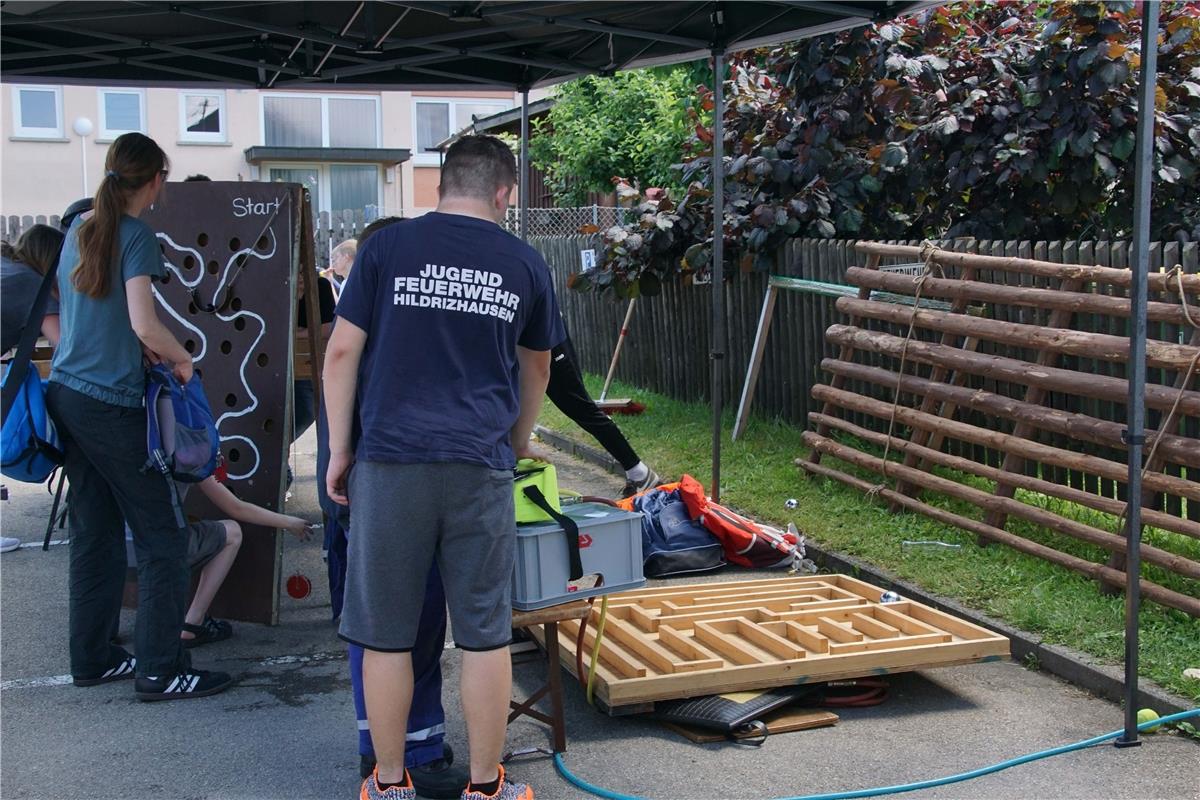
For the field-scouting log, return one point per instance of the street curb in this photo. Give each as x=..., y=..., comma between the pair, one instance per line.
x=1071, y=665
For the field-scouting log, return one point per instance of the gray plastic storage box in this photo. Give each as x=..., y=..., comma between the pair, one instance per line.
x=610, y=545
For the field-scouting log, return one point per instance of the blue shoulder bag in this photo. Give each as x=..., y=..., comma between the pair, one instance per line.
x=29, y=449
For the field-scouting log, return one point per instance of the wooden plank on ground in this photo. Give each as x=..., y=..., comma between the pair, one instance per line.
x=742, y=646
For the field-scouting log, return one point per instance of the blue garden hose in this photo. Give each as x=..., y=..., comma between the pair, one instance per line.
x=570, y=777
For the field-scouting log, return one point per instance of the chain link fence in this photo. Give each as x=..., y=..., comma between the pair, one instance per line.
x=332, y=228
x=566, y=221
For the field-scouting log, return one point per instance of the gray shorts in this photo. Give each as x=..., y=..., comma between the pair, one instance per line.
x=404, y=517
x=205, y=540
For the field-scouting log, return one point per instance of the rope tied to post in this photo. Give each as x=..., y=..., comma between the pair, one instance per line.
x=1177, y=273
x=928, y=251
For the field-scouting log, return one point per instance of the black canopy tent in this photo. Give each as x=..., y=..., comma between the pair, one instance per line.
x=508, y=44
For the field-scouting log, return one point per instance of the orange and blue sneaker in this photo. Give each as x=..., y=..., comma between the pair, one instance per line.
x=507, y=791
x=371, y=790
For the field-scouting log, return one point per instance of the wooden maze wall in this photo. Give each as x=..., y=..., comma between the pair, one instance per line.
x=677, y=641
x=227, y=245
x=1029, y=381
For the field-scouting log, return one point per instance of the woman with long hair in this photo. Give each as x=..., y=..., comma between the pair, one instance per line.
x=97, y=383
x=22, y=267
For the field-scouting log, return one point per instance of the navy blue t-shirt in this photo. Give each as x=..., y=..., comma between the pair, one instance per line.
x=445, y=301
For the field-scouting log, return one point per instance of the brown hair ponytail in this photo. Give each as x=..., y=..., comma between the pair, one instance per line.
x=133, y=161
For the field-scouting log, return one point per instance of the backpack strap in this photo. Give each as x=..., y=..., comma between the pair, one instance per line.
x=29, y=335
x=156, y=457
x=566, y=523
x=62, y=478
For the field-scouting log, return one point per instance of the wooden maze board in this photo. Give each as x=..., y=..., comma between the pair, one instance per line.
x=243, y=350
x=670, y=642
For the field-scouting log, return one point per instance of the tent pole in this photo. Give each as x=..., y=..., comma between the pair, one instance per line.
x=717, y=354
x=523, y=179
x=1144, y=164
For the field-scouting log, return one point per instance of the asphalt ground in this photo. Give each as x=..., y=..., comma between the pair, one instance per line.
x=287, y=729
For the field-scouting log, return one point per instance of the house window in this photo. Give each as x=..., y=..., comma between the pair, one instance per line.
x=307, y=120
x=202, y=117
x=334, y=187
x=436, y=120
x=121, y=111
x=37, y=112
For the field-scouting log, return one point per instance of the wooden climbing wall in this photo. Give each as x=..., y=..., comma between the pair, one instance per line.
x=232, y=252
x=698, y=639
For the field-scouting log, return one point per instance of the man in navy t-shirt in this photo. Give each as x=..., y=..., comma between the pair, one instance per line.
x=445, y=334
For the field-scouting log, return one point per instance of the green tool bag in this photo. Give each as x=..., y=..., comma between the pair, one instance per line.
x=535, y=496
x=539, y=474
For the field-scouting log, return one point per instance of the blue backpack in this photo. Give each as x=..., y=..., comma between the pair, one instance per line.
x=181, y=438
x=28, y=441
x=30, y=448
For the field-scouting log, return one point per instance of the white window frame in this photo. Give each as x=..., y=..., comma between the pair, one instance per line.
x=23, y=132
x=192, y=137
x=324, y=98
x=324, y=178
x=107, y=134
x=423, y=159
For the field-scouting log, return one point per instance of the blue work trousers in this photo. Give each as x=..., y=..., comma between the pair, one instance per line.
x=426, y=719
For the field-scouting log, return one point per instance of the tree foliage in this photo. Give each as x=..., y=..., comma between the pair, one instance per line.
x=632, y=124
x=1003, y=120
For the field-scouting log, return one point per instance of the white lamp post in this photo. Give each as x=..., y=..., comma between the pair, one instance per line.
x=83, y=129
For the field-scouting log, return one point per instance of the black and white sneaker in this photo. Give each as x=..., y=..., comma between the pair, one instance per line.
x=183, y=685
x=637, y=487
x=122, y=670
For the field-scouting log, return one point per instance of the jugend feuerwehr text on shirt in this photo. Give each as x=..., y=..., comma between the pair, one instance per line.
x=467, y=291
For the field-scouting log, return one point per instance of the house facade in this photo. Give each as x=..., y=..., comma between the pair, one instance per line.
x=352, y=149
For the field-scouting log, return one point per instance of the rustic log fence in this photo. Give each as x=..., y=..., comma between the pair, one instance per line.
x=927, y=394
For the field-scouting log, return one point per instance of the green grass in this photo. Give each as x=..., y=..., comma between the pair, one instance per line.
x=758, y=476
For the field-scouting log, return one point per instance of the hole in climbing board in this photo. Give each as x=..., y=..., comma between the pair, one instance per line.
x=262, y=243
x=213, y=267
x=262, y=359
x=226, y=347
x=236, y=304
x=235, y=244
x=240, y=323
x=202, y=239
x=190, y=345
x=192, y=309
x=235, y=454
x=268, y=425
x=231, y=399
x=189, y=262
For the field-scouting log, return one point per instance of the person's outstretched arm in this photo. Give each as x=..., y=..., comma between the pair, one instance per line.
x=535, y=376
x=237, y=509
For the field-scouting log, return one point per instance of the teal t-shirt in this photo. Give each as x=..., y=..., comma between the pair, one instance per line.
x=98, y=353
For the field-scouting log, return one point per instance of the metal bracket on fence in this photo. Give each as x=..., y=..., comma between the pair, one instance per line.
x=1129, y=438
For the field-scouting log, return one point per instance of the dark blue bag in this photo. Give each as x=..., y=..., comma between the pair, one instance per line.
x=181, y=438
x=672, y=543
